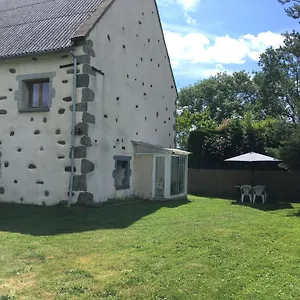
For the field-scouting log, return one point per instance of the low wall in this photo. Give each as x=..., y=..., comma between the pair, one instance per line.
x=281, y=185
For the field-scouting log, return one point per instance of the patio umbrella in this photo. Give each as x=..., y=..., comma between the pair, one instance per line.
x=252, y=158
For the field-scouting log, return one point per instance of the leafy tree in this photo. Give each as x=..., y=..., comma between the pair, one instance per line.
x=188, y=121
x=233, y=137
x=224, y=95
x=286, y=144
x=294, y=10
x=280, y=79
x=289, y=151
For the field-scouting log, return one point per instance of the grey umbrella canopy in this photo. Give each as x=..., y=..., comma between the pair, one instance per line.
x=252, y=158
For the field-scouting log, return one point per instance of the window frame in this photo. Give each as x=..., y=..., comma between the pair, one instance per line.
x=127, y=172
x=22, y=96
x=30, y=85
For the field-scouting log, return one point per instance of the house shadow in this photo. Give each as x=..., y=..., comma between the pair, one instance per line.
x=47, y=221
x=271, y=206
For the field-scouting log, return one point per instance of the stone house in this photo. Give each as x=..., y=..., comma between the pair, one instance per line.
x=87, y=103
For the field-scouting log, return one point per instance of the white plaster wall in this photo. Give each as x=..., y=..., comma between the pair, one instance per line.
x=49, y=168
x=130, y=50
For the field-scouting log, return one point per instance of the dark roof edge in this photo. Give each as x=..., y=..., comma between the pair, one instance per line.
x=86, y=27
x=65, y=49
x=164, y=40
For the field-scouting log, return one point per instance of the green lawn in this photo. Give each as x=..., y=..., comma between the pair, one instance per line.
x=199, y=249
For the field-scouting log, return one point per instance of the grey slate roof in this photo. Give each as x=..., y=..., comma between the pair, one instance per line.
x=33, y=26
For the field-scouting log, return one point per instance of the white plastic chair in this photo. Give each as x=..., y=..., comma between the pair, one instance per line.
x=260, y=191
x=246, y=190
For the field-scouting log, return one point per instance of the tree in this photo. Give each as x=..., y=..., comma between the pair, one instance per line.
x=279, y=79
x=287, y=145
x=188, y=121
x=294, y=10
x=231, y=138
x=224, y=95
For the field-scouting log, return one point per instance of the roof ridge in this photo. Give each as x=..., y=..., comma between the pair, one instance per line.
x=28, y=5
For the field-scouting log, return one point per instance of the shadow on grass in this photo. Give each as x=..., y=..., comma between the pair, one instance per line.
x=266, y=206
x=43, y=221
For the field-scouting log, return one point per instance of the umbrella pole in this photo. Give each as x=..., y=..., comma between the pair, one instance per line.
x=252, y=181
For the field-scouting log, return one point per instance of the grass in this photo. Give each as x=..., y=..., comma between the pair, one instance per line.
x=198, y=249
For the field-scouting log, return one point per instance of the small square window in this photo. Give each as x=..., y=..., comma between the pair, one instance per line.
x=122, y=172
x=37, y=92
x=120, y=175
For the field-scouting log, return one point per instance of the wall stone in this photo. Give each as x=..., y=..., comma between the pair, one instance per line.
x=85, y=198
x=29, y=138
x=79, y=183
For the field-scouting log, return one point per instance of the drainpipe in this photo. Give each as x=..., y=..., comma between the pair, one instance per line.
x=74, y=98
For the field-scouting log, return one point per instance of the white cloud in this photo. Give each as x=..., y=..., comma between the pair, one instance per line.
x=197, y=48
x=188, y=4
x=190, y=20
x=197, y=71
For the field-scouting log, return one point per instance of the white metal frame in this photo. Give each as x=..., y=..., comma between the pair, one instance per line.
x=167, y=189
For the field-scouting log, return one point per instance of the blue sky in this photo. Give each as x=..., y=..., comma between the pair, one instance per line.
x=209, y=36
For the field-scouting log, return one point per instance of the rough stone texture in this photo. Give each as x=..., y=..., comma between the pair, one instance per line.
x=89, y=50
x=68, y=169
x=79, y=152
x=84, y=59
x=127, y=171
x=67, y=99
x=88, y=118
x=71, y=71
x=122, y=158
x=83, y=80
x=79, y=107
x=87, y=166
x=79, y=183
x=86, y=141
x=85, y=198
x=61, y=111
x=87, y=69
x=88, y=95
x=81, y=129
x=90, y=43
